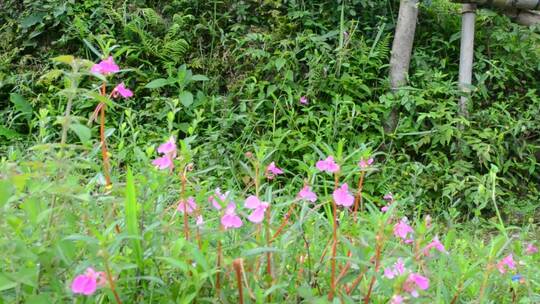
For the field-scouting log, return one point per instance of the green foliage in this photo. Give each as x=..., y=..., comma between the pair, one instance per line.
x=258, y=59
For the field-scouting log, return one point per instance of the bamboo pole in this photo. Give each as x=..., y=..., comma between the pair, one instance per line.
x=402, y=51
x=522, y=4
x=466, y=54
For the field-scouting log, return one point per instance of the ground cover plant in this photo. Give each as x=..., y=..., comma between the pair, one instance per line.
x=196, y=151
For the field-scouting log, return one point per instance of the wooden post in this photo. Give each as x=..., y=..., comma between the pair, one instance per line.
x=466, y=54
x=401, y=52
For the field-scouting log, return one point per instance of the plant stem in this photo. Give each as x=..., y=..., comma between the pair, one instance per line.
x=345, y=269
x=484, y=283
x=110, y=279
x=334, y=249
x=458, y=292
x=283, y=223
x=218, y=276
x=268, y=242
x=493, y=176
x=237, y=265
x=104, y=152
x=183, y=200
x=67, y=121
x=378, y=251
x=356, y=282
x=358, y=197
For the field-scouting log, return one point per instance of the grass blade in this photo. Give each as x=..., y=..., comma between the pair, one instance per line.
x=131, y=220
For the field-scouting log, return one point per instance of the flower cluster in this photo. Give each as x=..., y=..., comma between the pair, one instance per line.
x=87, y=283
x=412, y=284
x=168, y=149
x=108, y=67
x=403, y=230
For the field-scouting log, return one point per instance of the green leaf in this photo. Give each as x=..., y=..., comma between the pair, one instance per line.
x=50, y=76
x=186, y=98
x=92, y=48
x=6, y=283
x=21, y=104
x=158, y=83
x=32, y=208
x=132, y=223
x=199, y=77
x=83, y=132
x=28, y=21
x=67, y=59
x=259, y=250
x=6, y=191
x=175, y=263
x=100, y=98
x=280, y=62
x=8, y=133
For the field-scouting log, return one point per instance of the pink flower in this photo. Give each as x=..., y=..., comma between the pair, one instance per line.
x=105, y=67
x=508, y=261
x=396, y=299
x=258, y=207
x=272, y=170
x=435, y=243
x=428, y=221
x=163, y=162
x=389, y=273
x=415, y=281
x=364, y=164
x=399, y=266
x=402, y=229
x=169, y=151
x=388, y=197
x=304, y=100
x=307, y=194
x=222, y=197
x=531, y=249
x=169, y=147
x=187, y=206
x=88, y=282
x=397, y=269
x=328, y=165
x=121, y=90
x=200, y=220
x=342, y=196
x=230, y=219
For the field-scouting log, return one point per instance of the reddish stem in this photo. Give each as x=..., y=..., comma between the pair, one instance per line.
x=458, y=292
x=325, y=250
x=345, y=269
x=218, y=276
x=377, y=266
x=358, y=197
x=183, y=200
x=104, y=152
x=237, y=265
x=334, y=249
x=356, y=282
x=268, y=242
x=110, y=280
x=283, y=223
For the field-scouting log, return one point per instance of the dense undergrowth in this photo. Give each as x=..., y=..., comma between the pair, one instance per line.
x=291, y=82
